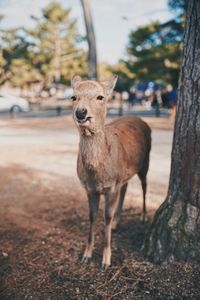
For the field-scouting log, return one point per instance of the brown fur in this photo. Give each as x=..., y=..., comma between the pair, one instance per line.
x=109, y=155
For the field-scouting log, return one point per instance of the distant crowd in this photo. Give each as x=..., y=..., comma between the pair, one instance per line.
x=150, y=97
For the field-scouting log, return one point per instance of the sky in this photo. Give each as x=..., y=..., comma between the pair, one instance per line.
x=113, y=19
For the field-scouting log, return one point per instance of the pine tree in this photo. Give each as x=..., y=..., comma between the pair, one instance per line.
x=56, y=53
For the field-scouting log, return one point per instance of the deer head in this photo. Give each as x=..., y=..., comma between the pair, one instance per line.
x=89, y=103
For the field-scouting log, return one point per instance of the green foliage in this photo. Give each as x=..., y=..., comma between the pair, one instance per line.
x=55, y=42
x=2, y=65
x=17, y=68
x=126, y=77
x=2, y=59
x=154, y=50
x=49, y=52
x=27, y=73
x=104, y=71
x=178, y=6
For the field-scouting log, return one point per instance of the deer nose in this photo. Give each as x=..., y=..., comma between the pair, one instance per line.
x=81, y=113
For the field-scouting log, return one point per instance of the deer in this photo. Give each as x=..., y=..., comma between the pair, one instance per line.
x=109, y=156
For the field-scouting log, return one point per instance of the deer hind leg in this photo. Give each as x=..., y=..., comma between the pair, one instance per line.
x=111, y=201
x=143, y=175
x=144, y=189
x=93, y=199
x=118, y=211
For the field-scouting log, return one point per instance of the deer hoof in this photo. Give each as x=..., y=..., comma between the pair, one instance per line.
x=104, y=267
x=143, y=218
x=115, y=224
x=86, y=259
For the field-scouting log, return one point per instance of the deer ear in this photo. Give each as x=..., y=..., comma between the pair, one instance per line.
x=75, y=79
x=109, y=85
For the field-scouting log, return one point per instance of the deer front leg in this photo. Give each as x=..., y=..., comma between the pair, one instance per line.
x=93, y=199
x=111, y=201
x=118, y=211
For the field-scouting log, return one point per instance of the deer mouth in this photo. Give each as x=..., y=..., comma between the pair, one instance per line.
x=84, y=122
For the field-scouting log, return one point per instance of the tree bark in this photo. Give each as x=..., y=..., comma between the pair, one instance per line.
x=175, y=230
x=92, y=56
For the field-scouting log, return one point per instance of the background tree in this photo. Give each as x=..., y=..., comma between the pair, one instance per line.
x=2, y=66
x=49, y=52
x=154, y=50
x=28, y=73
x=15, y=55
x=126, y=78
x=56, y=53
x=2, y=60
x=92, y=55
x=175, y=231
x=179, y=8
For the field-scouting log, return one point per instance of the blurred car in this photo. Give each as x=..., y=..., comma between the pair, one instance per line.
x=13, y=103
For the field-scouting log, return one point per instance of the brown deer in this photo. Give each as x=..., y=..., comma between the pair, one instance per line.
x=109, y=155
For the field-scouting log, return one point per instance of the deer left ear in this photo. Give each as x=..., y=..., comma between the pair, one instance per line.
x=75, y=79
x=109, y=85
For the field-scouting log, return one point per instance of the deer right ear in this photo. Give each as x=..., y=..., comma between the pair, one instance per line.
x=75, y=79
x=109, y=85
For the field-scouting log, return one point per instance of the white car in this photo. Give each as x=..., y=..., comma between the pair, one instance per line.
x=13, y=103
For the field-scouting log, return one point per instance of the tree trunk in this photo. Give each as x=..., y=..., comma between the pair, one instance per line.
x=175, y=231
x=92, y=56
x=57, y=71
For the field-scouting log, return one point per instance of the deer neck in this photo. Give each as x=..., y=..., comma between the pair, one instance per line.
x=93, y=149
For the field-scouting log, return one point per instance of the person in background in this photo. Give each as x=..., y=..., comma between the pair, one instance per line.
x=171, y=99
x=156, y=102
x=132, y=97
x=125, y=95
x=171, y=96
x=164, y=98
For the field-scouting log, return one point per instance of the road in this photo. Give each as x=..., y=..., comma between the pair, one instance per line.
x=44, y=221
x=50, y=147
x=48, y=113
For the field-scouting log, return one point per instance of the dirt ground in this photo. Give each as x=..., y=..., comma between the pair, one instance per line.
x=44, y=222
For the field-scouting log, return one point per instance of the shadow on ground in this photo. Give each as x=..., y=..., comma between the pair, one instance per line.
x=43, y=230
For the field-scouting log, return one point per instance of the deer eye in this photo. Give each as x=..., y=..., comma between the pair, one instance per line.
x=100, y=97
x=73, y=98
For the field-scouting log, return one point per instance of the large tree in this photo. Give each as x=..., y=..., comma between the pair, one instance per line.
x=175, y=231
x=92, y=53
